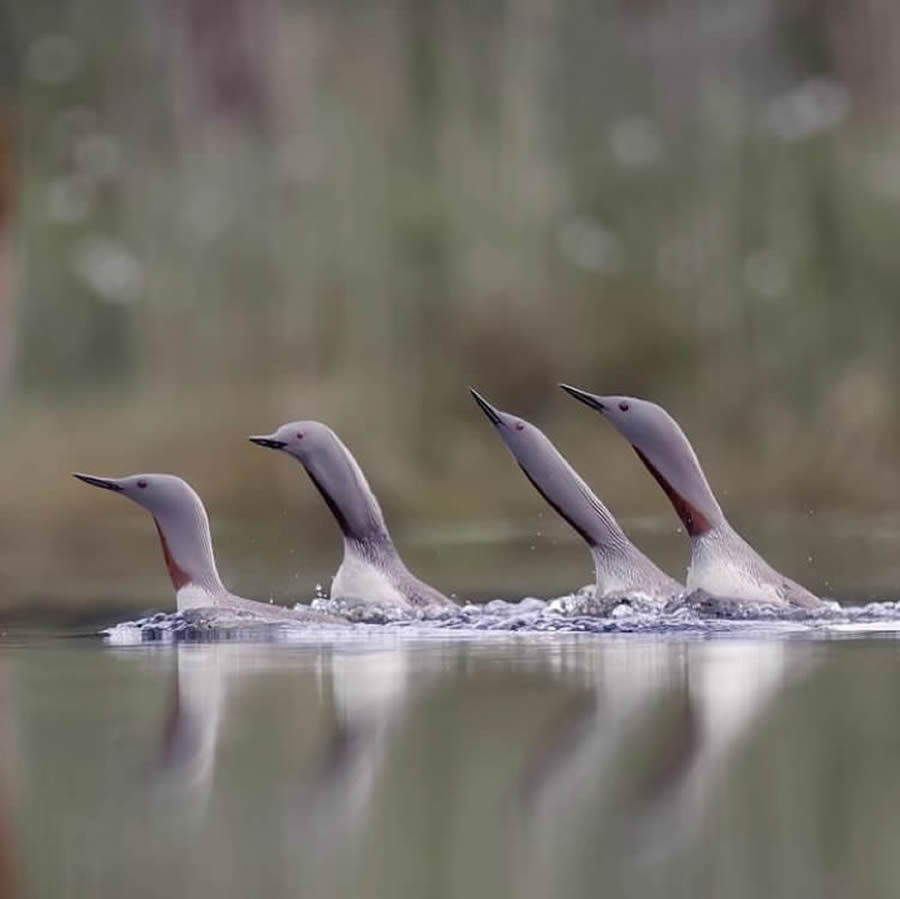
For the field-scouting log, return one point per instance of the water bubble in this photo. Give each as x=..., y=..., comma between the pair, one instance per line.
x=53, y=58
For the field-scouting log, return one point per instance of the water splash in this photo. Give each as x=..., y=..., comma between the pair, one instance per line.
x=695, y=613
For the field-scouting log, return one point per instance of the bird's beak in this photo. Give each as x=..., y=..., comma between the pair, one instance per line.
x=487, y=408
x=268, y=442
x=105, y=483
x=589, y=399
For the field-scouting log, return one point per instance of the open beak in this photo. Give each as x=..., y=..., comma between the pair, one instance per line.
x=105, y=483
x=589, y=399
x=487, y=408
x=268, y=442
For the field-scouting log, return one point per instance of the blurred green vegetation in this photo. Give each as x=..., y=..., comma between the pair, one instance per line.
x=216, y=215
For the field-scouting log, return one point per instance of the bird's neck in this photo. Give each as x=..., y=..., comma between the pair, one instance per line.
x=188, y=554
x=684, y=483
x=344, y=487
x=567, y=493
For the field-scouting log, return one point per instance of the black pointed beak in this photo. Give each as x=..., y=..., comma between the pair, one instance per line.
x=105, y=483
x=487, y=408
x=268, y=442
x=589, y=399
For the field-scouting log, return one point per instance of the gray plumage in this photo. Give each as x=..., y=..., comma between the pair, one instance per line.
x=722, y=562
x=372, y=569
x=622, y=570
x=183, y=528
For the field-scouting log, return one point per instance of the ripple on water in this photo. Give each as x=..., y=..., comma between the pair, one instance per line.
x=690, y=613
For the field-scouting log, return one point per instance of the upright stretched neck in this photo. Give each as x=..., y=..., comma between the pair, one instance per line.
x=685, y=484
x=342, y=484
x=187, y=547
x=566, y=492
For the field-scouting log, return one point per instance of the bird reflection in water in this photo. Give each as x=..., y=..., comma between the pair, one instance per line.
x=629, y=775
x=362, y=698
x=8, y=779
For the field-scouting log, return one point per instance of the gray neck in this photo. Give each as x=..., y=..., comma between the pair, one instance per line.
x=631, y=572
x=187, y=547
x=344, y=487
x=676, y=468
x=563, y=488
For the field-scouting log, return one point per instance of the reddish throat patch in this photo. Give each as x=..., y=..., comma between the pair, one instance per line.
x=695, y=522
x=179, y=576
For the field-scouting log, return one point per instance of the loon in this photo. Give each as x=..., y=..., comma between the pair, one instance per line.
x=622, y=570
x=183, y=528
x=372, y=570
x=722, y=564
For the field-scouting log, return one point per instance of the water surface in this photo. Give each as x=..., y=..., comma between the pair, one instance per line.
x=388, y=765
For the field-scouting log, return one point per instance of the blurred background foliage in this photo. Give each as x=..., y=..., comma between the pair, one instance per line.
x=216, y=215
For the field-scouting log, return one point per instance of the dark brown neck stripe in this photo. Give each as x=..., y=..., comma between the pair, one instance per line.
x=695, y=522
x=180, y=578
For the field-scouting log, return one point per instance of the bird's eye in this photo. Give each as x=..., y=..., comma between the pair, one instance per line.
x=300, y=435
x=142, y=484
x=520, y=426
x=624, y=407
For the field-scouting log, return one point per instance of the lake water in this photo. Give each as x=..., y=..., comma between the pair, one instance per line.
x=391, y=765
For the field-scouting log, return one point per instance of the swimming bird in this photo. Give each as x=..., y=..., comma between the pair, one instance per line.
x=722, y=562
x=622, y=570
x=183, y=528
x=372, y=569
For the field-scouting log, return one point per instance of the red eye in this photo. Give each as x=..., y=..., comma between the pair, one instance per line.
x=142, y=484
x=520, y=426
x=624, y=407
x=300, y=436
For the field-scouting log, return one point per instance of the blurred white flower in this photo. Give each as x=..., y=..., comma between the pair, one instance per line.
x=303, y=158
x=882, y=174
x=811, y=108
x=766, y=273
x=588, y=245
x=53, y=58
x=99, y=155
x=636, y=143
x=72, y=123
x=69, y=199
x=109, y=268
x=207, y=214
x=679, y=262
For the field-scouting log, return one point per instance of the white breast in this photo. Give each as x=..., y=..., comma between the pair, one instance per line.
x=727, y=577
x=190, y=596
x=358, y=578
